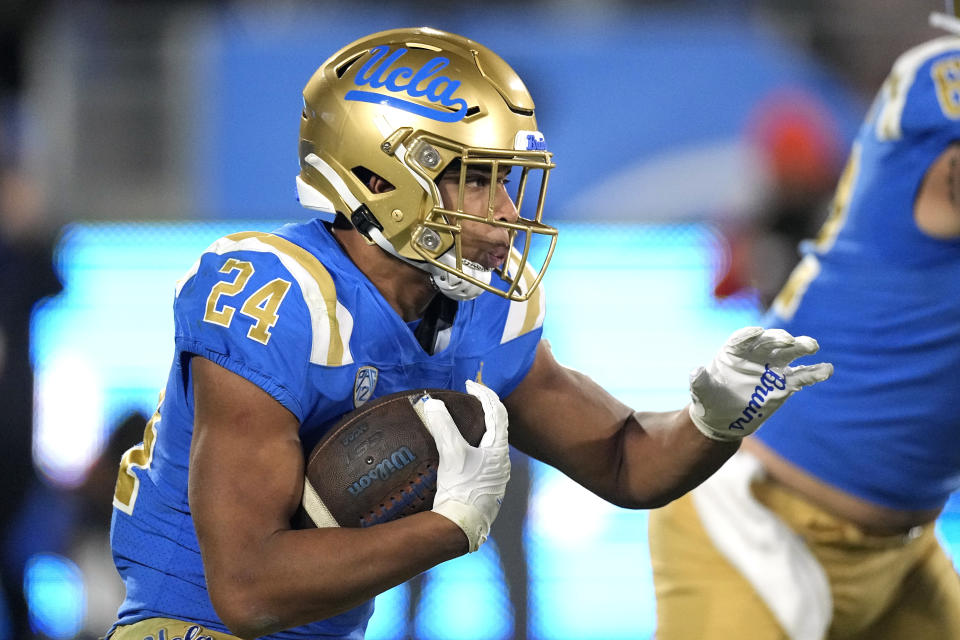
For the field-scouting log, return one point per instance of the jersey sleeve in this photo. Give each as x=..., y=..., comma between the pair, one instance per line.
x=265, y=309
x=922, y=93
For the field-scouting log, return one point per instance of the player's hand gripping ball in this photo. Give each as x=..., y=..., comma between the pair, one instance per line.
x=379, y=462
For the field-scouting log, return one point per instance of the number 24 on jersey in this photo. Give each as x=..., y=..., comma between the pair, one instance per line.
x=261, y=305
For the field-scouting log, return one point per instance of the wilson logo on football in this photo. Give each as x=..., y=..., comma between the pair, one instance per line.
x=384, y=469
x=419, y=83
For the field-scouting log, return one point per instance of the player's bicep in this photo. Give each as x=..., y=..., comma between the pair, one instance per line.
x=246, y=466
x=249, y=313
x=562, y=417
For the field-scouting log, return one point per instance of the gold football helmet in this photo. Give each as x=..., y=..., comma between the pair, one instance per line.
x=403, y=105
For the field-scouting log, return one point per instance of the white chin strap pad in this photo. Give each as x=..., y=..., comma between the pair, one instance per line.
x=452, y=285
x=449, y=284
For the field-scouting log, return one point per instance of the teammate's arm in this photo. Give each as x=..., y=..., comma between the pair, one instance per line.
x=246, y=480
x=937, y=207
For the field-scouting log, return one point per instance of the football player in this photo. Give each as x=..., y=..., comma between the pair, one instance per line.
x=822, y=526
x=427, y=276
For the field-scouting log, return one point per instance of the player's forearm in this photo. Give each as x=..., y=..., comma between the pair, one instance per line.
x=663, y=456
x=300, y=576
x=749, y=378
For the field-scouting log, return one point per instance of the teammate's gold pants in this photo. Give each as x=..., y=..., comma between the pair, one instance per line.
x=876, y=588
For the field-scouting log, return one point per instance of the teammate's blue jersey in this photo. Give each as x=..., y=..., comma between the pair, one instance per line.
x=290, y=312
x=883, y=300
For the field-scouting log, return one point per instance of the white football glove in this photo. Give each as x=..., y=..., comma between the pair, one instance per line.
x=749, y=379
x=471, y=481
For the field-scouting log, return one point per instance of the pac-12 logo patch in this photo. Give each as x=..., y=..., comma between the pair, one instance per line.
x=364, y=384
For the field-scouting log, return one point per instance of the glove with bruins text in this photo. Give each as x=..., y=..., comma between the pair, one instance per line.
x=749, y=379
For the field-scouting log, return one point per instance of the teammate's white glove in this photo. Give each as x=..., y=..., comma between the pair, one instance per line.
x=749, y=379
x=470, y=480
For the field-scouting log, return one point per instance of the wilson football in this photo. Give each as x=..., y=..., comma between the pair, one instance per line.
x=379, y=462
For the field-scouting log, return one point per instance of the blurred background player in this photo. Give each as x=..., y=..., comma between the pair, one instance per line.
x=797, y=147
x=407, y=140
x=26, y=276
x=823, y=525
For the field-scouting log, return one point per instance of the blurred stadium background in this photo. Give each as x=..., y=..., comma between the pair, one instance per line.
x=134, y=133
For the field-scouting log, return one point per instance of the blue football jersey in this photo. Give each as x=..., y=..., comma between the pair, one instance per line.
x=883, y=300
x=290, y=312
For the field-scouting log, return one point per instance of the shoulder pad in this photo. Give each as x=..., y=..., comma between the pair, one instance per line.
x=922, y=90
x=331, y=322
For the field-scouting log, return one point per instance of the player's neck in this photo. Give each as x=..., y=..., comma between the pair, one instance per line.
x=407, y=289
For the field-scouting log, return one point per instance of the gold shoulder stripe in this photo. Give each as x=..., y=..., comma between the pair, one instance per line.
x=896, y=87
x=316, y=270
x=524, y=317
x=534, y=304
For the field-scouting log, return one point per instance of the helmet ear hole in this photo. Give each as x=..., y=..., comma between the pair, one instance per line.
x=374, y=183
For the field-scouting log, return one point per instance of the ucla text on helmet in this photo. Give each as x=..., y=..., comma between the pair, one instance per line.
x=406, y=80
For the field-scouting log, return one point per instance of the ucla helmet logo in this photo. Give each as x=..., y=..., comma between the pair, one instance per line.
x=419, y=83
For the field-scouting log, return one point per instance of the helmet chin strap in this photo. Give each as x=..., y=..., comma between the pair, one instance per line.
x=452, y=285
x=945, y=21
x=449, y=284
